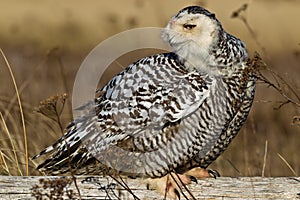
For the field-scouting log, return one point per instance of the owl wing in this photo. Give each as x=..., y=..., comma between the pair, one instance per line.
x=139, y=110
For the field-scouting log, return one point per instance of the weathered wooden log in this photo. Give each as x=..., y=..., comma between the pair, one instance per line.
x=21, y=187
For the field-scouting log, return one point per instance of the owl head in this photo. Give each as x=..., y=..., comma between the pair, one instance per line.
x=192, y=32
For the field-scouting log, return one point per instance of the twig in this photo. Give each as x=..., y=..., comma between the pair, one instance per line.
x=55, y=53
x=283, y=94
x=265, y=159
x=183, y=186
x=238, y=14
x=109, y=187
x=125, y=186
x=285, y=83
x=21, y=111
x=70, y=165
x=278, y=79
x=51, y=105
x=12, y=144
x=58, y=119
x=289, y=166
x=234, y=167
x=166, y=189
x=2, y=160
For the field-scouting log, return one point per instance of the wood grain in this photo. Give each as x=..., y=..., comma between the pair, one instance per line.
x=20, y=187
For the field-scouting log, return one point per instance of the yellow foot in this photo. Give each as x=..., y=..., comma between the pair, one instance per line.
x=200, y=173
x=172, y=184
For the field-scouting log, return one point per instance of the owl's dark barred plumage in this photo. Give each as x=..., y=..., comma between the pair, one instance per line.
x=166, y=112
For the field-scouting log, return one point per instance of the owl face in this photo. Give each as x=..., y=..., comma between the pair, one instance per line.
x=192, y=33
x=186, y=28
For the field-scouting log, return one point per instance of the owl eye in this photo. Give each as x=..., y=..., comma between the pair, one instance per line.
x=189, y=26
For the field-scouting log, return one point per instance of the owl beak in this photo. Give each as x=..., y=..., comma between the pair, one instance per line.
x=172, y=23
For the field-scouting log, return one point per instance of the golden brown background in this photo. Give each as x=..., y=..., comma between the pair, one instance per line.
x=46, y=41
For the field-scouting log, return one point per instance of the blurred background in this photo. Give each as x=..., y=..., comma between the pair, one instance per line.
x=46, y=41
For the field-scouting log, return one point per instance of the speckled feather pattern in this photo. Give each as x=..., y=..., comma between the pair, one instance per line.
x=175, y=117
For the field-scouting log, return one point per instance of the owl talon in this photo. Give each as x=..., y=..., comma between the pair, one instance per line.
x=193, y=179
x=200, y=173
x=177, y=193
x=213, y=173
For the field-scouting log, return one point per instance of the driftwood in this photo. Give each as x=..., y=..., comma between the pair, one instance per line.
x=12, y=187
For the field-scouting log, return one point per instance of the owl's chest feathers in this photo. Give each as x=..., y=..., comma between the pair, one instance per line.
x=226, y=95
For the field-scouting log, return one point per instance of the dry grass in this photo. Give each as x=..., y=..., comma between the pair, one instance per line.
x=266, y=146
